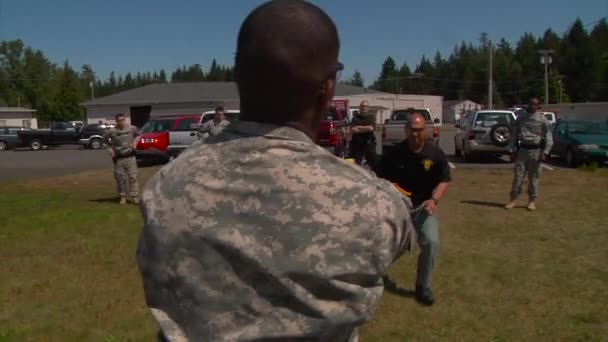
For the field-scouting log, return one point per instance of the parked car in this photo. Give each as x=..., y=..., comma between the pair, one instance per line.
x=182, y=138
x=551, y=117
x=332, y=132
x=486, y=132
x=580, y=142
x=9, y=138
x=153, y=142
x=92, y=136
x=59, y=133
x=393, y=131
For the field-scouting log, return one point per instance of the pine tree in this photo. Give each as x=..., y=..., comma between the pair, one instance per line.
x=356, y=79
x=66, y=102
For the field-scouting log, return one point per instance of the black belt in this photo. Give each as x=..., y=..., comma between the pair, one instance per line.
x=530, y=147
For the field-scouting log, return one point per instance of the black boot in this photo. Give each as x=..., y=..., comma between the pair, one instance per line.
x=424, y=296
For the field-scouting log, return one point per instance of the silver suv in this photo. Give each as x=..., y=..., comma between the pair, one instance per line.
x=486, y=132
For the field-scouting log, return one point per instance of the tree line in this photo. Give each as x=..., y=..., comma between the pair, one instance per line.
x=578, y=72
x=29, y=79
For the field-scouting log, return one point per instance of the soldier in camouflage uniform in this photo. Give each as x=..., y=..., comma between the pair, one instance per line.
x=215, y=126
x=260, y=234
x=121, y=141
x=530, y=144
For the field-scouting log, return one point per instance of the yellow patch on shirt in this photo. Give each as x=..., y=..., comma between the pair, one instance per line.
x=427, y=163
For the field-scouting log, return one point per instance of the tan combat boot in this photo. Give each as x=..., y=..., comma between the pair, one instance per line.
x=123, y=200
x=135, y=200
x=531, y=206
x=511, y=205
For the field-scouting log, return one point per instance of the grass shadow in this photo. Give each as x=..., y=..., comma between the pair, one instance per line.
x=484, y=203
x=391, y=286
x=105, y=200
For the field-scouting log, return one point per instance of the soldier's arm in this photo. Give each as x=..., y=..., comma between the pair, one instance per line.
x=402, y=233
x=135, y=136
x=548, y=139
x=513, y=137
x=205, y=127
x=107, y=139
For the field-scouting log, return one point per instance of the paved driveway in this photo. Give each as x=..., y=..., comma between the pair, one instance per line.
x=26, y=164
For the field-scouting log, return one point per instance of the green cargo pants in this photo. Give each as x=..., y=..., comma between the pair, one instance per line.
x=427, y=230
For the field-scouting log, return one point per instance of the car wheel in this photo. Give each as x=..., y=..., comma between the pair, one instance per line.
x=95, y=143
x=3, y=146
x=500, y=134
x=570, y=158
x=35, y=145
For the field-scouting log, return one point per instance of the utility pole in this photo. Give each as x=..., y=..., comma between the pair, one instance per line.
x=561, y=89
x=92, y=85
x=546, y=59
x=490, y=81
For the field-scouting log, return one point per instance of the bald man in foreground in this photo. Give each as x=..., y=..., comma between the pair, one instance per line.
x=260, y=234
x=422, y=169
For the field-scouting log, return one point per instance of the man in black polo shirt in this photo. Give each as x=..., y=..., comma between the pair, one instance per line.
x=420, y=168
x=363, y=142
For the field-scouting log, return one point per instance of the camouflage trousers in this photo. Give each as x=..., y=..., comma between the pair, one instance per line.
x=527, y=160
x=125, y=173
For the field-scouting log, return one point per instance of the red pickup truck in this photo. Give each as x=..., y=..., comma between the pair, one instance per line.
x=154, y=140
x=332, y=133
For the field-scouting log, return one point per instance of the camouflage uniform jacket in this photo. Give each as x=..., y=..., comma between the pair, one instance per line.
x=210, y=128
x=261, y=234
x=121, y=140
x=532, y=130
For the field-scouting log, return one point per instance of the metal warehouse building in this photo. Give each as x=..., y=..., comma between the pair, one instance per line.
x=196, y=97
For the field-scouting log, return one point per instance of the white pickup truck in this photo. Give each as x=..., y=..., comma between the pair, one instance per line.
x=181, y=140
x=393, y=131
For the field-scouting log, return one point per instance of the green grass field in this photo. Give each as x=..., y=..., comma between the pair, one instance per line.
x=67, y=264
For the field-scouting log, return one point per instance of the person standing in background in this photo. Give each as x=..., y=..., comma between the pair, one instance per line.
x=122, y=141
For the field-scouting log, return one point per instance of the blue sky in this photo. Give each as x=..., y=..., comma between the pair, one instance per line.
x=145, y=35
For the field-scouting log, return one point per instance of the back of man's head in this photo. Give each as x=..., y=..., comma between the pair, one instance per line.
x=287, y=51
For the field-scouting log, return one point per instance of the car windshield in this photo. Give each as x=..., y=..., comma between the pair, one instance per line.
x=155, y=126
x=400, y=115
x=490, y=119
x=595, y=128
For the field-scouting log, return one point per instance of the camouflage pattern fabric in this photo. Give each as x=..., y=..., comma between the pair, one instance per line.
x=125, y=173
x=121, y=140
x=210, y=128
x=260, y=234
x=529, y=130
x=532, y=129
x=125, y=169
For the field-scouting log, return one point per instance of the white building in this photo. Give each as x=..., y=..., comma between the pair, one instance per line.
x=593, y=111
x=453, y=110
x=18, y=117
x=158, y=99
x=385, y=103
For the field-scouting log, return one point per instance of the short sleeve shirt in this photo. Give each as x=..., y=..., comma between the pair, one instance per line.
x=418, y=173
